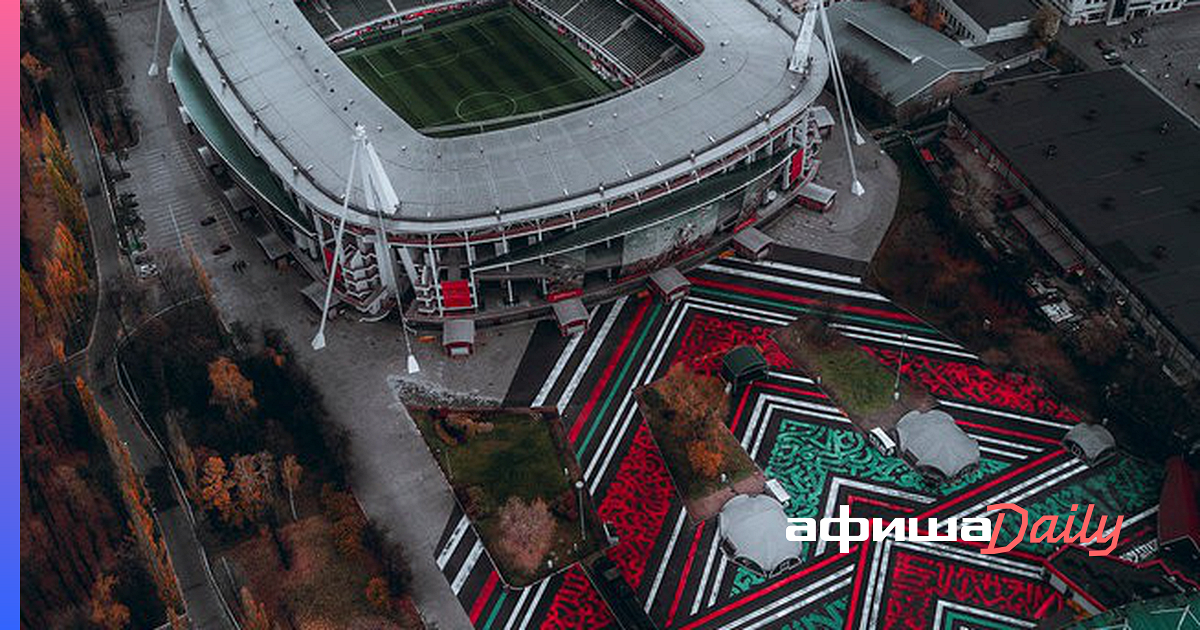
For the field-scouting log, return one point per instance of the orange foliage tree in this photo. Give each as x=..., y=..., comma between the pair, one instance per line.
x=378, y=594
x=214, y=491
x=106, y=611
x=231, y=391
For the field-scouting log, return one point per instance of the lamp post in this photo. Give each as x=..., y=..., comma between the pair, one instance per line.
x=157, y=35
x=582, y=528
x=899, y=364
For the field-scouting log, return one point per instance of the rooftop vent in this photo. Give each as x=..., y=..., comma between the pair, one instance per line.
x=1164, y=128
x=1091, y=114
x=1052, y=150
x=1108, y=203
x=1140, y=156
x=1159, y=252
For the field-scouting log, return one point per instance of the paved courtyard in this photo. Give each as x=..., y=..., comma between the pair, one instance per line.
x=795, y=435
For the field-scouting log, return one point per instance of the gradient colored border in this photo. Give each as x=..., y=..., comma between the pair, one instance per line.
x=10, y=567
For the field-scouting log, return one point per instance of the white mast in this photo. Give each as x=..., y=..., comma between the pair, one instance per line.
x=381, y=199
x=801, y=63
x=359, y=136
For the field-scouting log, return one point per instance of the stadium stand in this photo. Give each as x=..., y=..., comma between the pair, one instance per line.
x=621, y=31
x=638, y=46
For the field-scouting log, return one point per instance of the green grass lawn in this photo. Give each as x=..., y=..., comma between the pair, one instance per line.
x=861, y=386
x=516, y=457
x=493, y=65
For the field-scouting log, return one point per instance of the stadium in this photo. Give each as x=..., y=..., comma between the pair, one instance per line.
x=540, y=150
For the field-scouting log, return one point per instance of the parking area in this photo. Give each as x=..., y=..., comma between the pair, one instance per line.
x=1164, y=49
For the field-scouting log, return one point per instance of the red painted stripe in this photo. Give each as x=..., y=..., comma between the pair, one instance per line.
x=584, y=413
x=994, y=482
x=858, y=577
x=741, y=408
x=760, y=592
x=807, y=301
x=1008, y=432
x=854, y=498
x=793, y=390
x=687, y=568
x=484, y=596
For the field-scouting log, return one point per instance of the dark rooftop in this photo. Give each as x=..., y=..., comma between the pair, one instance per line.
x=1112, y=581
x=992, y=13
x=1117, y=163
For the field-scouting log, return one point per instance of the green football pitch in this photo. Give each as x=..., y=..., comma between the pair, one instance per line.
x=497, y=64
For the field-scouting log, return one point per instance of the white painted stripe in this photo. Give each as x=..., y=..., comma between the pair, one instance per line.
x=1000, y=453
x=822, y=587
x=552, y=378
x=787, y=376
x=666, y=559
x=1005, y=414
x=983, y=437
x=807, y=271
x=1056, y=474
x=465, y=570
x=452, y=543
x=799, y=284
x=807, y=601
x=1005, y=620
x=537, y=597
x=516, y=611
x=591, y=354
x=897, y=335
x=1126, y=523
x=909, y=346
x=708, y=564
x=716, y=585
x=627, y=411
x=722, y=308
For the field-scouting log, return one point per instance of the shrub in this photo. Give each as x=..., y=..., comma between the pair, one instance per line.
x=526, y=532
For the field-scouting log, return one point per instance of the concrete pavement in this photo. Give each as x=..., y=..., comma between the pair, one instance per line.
x=855, y=227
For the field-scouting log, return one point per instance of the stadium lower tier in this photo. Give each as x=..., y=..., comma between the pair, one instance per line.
x=517, y=270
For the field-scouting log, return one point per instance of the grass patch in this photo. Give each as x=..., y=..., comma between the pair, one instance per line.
x=493, y=65
x=860, y=385
x=686, y=413
x=507, y=470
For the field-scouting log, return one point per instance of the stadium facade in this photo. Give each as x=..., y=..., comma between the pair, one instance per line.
x=706, y=131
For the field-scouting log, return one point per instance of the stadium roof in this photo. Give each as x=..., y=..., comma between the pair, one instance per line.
x=907, y=56
x=295, y=103
x=1123, y=185
x=992, y=13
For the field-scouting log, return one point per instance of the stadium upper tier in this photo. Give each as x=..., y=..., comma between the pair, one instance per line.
x=295, y=103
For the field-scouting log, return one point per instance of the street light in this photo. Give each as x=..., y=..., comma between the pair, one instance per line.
x=413, y=367
x=157, y=35
x=899, y=364
x=582, y=529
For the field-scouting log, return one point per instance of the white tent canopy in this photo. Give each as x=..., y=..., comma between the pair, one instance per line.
x=753, y=530
x=932, y=441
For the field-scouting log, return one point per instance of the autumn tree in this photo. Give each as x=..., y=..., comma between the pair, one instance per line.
x=137, y=502
x=290, y=473
x=106, y=611
x=705, y=458
x=63, y=180
x=231, y=391
x=527, y=532
x=919, y=10
x=1046, y=22
x=254, y=478
x=214, y=490
x=255, y=613
x=181, y=452
x=32, y=301
x=379, y=595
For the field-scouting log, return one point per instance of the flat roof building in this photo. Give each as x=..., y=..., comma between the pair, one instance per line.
x=908, y=68
x=1113, y=167
x=979, y=22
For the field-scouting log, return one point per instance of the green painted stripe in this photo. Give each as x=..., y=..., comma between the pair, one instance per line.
x=495, y=610
x=737, y=297
x=614, y=386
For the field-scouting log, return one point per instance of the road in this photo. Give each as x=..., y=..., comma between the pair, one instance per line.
x=203, y=605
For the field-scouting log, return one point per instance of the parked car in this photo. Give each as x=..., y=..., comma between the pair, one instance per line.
x=1112, y=57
